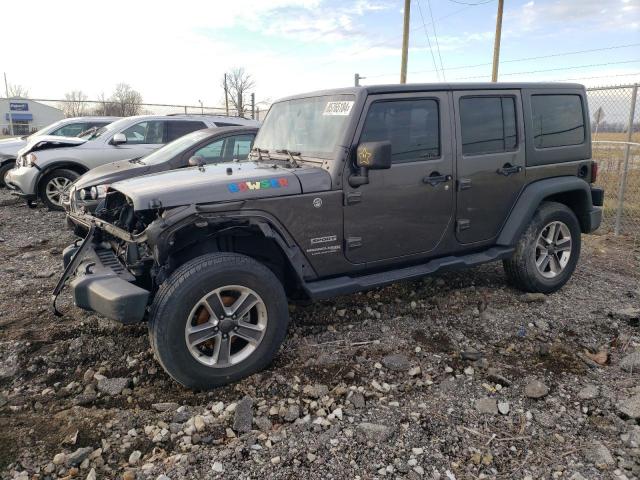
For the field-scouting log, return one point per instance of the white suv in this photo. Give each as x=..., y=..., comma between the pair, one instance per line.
x=46, y=166
x=68, y=127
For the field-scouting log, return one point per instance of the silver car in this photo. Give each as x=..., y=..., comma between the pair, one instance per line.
x=47, y=165
x=69, y=127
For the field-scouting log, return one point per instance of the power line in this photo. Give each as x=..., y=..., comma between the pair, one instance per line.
x=385, y=42
x=435, y=65
x=554, y=69
x=561, y=54
x=435, y=34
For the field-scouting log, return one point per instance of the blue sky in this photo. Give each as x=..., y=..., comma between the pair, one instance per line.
x=177, y=52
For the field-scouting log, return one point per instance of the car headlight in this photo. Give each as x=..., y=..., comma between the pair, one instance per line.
x=29, y=160
x=93, y=193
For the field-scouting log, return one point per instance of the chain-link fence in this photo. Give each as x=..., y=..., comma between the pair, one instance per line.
x=615, y=132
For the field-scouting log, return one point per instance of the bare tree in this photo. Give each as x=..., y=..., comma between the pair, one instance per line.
x=125, y=101
x=75, y=104
x=239, y=83
x=18, y=91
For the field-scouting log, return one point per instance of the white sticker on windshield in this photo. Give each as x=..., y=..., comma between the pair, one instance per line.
x=338, y=108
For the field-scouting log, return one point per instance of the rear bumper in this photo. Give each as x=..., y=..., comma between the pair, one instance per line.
x=591, y=221
x=101, y=284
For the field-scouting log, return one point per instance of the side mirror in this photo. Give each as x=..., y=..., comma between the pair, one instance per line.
x=370, y=156
x=197, y=161
x=119, y=139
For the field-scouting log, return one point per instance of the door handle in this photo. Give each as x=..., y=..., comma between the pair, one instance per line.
x=508, y=169
x=435, y=178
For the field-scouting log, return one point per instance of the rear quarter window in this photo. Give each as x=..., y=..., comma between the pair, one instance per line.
x=558, y=120
x=179, y=128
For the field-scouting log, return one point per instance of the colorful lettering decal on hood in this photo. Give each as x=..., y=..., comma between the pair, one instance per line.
x=258, y=185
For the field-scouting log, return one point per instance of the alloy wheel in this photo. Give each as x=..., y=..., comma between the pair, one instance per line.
x=56, y=189
x=553, y=249
x=226, y=326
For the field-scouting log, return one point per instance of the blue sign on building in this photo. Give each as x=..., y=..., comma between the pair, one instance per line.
x=19, y=106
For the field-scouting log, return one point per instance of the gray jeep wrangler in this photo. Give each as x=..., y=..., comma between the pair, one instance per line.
x=345, y=190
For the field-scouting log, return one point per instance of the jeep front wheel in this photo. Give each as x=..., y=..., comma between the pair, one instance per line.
x=218, y=318
x=547, y=252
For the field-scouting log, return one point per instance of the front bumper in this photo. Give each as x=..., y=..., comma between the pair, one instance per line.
x=101, y=284
x=24, y=180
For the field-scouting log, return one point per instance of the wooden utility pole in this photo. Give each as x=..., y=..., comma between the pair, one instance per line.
x=226, y=95
x=405, y=42
x=496, y=43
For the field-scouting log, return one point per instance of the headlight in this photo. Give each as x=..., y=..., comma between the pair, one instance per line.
x=93, y=193
x=29, y=160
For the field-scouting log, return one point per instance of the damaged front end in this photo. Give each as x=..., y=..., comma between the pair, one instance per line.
x=110, y=269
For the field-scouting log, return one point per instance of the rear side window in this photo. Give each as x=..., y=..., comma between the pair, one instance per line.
x=224, y=124
x=178, y=128
x=488, y=125
x=558, y=120
x=412, y=127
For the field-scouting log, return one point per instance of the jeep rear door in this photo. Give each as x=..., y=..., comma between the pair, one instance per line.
x=490, y=160
x=405, y=210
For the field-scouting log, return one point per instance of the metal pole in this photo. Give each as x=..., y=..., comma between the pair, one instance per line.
x=6, y=89
x=625, y=170
x=240, y=105
x=185, y=109
x=226, y=95
x=253, y=106
x=405, y=42
x=258, y=113
x=496, y=43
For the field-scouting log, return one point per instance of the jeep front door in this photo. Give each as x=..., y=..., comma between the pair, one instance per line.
x=405, y=210
x=490, y=161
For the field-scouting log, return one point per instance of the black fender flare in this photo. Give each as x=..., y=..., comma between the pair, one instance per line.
x=531, y=198
x=160, y=232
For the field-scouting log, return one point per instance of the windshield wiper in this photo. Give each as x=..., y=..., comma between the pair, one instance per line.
x=260, y=151
x=292, y=160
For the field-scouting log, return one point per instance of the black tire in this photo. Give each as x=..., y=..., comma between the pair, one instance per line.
x=3, y=171
x=50, y=177
x=180, y=293
x=521, y=269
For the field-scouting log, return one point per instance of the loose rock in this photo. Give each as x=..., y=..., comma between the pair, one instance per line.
x=536, y=389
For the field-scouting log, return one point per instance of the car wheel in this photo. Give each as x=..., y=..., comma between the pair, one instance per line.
x=547, y=252
x=218, y=318
x=4, y=169
x=54, y=186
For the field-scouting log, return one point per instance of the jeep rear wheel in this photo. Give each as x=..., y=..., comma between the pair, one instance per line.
x=547, y=252
x=217, y=319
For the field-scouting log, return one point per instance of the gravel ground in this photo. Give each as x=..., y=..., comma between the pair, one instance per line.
x=456, y=376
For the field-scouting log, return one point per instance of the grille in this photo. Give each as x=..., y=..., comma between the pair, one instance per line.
x=109, y=259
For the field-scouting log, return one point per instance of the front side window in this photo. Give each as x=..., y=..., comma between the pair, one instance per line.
x=211, y=153
x=412, y=127
x=151, y=132
x=488, y=125
x=178, y=128
x=558, y=120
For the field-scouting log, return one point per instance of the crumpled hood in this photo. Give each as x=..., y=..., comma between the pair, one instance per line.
x=44, y=142
x=212, y=183
x=112, y=172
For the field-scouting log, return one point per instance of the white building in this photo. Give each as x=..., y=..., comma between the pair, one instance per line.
x=26, y=116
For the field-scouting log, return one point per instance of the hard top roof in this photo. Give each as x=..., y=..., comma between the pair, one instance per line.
x=430, y=87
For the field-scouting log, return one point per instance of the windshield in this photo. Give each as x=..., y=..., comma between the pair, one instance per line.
x=312, y=126
x=174, y=148
x=46, y=130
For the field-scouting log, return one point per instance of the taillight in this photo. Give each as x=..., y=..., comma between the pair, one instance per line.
x=594, y=171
